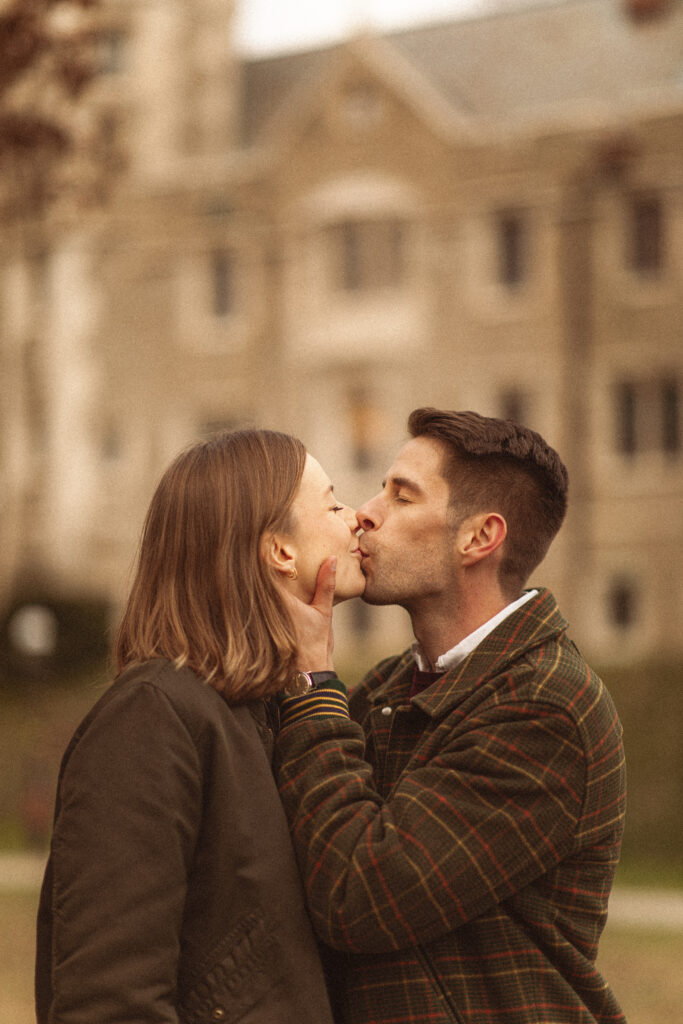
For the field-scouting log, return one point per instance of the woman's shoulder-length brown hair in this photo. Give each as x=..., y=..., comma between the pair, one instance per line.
x=202, y=594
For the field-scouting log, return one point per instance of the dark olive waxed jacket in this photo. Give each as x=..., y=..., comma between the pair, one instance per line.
x=171, y=895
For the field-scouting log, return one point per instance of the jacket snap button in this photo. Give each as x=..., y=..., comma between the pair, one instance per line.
x=218, y=1013
x=386, y=711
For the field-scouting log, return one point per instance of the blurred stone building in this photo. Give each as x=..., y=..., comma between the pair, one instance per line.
x=485, y=213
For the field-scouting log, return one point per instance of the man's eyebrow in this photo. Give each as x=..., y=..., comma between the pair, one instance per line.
x=403, y=482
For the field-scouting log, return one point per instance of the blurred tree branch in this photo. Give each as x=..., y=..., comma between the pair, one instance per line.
x=47, y=57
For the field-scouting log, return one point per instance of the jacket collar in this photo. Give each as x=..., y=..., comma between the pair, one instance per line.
x=534, y=623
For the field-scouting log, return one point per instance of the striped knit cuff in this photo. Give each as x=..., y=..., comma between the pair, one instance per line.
x=326, y=701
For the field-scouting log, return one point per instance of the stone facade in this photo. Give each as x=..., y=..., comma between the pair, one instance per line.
x=482, y=214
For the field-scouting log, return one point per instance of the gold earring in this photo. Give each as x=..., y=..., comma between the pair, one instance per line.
x=292, y=574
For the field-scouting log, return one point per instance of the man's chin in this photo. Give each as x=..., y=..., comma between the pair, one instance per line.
x=369, y=596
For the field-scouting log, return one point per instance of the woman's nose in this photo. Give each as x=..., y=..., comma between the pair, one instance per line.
x=350, y=518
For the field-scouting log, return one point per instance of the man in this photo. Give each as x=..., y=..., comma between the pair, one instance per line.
x=458, y=840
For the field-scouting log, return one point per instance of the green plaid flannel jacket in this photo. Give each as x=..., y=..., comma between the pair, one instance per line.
x=458, y=849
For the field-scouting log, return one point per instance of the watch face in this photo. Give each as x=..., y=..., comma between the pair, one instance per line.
x=300, y=684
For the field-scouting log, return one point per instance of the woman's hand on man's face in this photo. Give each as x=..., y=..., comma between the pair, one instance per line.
x=313, y=622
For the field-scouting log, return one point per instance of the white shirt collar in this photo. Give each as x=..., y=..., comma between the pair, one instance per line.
x=461, y=650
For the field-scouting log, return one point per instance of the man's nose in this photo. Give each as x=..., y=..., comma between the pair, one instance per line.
x=367, y=515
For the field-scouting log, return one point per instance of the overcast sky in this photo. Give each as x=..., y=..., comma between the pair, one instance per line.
x=272, y=26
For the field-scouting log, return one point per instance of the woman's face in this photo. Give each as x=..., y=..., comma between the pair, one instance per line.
x=321, y=526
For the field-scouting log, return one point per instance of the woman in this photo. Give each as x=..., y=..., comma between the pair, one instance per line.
x=171, y=892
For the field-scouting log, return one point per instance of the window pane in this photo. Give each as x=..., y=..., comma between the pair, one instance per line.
x=647, y=416
x=625, y=416
x=646, y=237
x=368, y=254
x=622, y=604
x=512, y=405
x=671, y=431
x=510, y=241
x=350, y=238
x=222, y=282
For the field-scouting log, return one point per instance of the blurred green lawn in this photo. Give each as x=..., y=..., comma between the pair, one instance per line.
x=641, y=964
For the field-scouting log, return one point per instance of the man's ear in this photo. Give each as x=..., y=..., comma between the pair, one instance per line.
x=480, y=536
x=278, y=553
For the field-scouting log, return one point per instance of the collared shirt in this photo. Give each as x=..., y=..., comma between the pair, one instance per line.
x=461, y=650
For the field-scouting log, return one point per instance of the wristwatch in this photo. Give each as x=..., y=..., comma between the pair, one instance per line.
x=304, y=682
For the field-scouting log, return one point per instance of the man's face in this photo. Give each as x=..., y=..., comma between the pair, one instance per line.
x=408, y=539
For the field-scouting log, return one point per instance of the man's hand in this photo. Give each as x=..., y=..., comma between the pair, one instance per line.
x=313, y=622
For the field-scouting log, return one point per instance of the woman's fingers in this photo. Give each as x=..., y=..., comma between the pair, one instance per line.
x=323, y=598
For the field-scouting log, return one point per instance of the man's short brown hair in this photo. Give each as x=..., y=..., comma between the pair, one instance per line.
x=494, y=465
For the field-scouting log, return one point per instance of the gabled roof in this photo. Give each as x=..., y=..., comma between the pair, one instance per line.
x=286, y=107
x=522, y=64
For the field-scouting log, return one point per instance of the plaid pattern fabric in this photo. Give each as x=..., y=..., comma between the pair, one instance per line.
x=460, y=858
